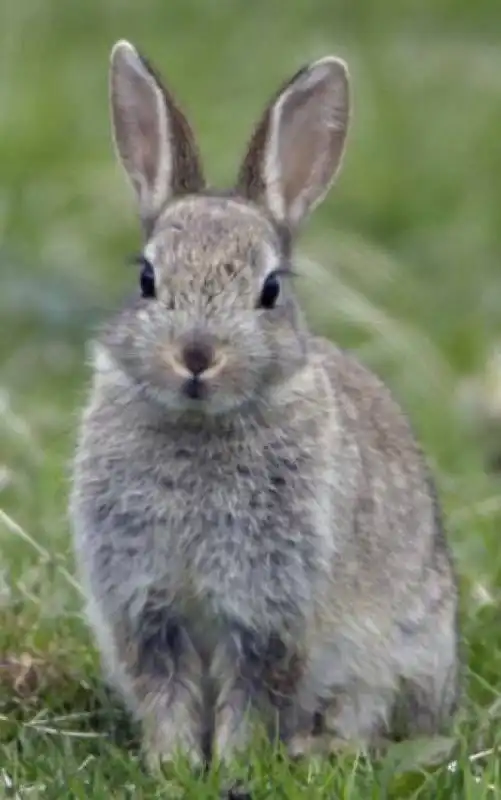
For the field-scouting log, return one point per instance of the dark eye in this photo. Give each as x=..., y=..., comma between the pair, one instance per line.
x=270, y=291
x=147, y=279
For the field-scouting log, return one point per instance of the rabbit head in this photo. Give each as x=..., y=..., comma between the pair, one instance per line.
x=215, y=324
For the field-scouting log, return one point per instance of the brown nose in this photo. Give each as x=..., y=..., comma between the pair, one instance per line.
x=198, y=356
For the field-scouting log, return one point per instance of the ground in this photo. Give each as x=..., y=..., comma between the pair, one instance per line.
x=401, y=264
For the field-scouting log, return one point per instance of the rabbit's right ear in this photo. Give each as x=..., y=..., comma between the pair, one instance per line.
x=297, y=147
x=153, y=139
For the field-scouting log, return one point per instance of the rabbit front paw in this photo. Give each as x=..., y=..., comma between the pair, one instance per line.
x=171, y=739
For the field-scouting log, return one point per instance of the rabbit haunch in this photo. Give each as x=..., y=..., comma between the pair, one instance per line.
x=270, y=548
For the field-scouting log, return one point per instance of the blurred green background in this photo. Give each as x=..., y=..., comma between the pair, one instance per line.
x=401, y=263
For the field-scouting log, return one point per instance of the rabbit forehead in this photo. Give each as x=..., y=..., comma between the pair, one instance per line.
x=201, y=234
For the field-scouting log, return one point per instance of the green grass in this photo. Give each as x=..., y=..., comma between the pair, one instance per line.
x=409, y=245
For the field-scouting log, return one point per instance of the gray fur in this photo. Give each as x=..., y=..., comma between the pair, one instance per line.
x=275, y=547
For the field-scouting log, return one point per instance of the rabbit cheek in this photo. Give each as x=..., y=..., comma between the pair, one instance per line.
x=284, y=342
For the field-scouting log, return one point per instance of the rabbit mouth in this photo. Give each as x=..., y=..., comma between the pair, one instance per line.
x=195, y=388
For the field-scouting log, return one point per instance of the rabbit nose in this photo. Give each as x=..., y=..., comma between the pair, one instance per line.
x=198, y=357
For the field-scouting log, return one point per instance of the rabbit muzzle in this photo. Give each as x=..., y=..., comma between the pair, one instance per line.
x=197, y=362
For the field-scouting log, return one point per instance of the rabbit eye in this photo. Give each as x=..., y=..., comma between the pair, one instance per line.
x=147, y=279
x=270, y=291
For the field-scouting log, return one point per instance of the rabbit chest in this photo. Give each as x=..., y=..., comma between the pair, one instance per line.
x=240, y=528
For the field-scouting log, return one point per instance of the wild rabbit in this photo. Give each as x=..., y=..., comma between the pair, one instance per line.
x=255, y=526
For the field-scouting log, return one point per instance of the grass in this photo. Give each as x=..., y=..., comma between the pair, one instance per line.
x=401, y=264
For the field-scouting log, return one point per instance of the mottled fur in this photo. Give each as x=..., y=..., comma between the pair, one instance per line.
x=275, y=547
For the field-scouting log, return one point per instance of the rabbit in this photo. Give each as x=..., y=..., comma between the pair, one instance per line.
x=256, y=530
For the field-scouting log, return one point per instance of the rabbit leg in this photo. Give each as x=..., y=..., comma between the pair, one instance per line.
x=421, y=703
x=325, y=744
x=355, y=719
x=428, y=691
x=254, y=677
x=422, y=710
x=422, y=706
x=164, y=684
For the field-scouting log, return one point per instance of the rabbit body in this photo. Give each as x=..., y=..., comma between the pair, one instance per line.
x=265, y=539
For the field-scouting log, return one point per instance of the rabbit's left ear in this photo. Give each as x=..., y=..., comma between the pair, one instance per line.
x=153, y=138
x=297, y=147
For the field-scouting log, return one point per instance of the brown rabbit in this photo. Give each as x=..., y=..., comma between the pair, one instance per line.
x=254, y=523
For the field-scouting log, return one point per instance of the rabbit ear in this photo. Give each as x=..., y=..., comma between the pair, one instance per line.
x=297, y=147
x=153, y=139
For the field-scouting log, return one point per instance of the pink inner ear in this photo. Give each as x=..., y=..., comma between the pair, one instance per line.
x=135, y=117
x=153, y=138
x=148, y=135
x=310, y=144
x=296, y=149
x=300, y=142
